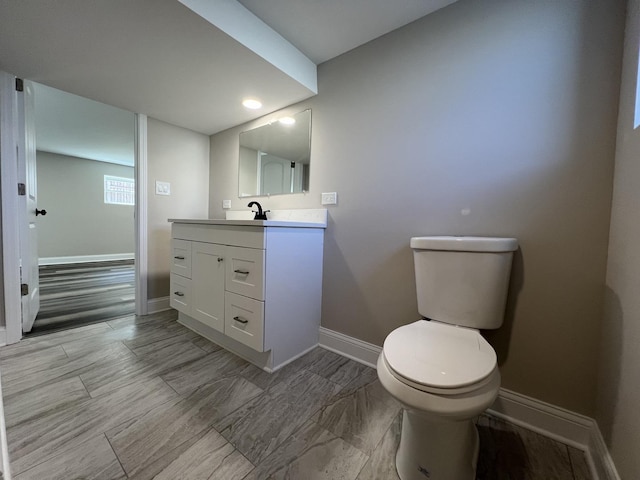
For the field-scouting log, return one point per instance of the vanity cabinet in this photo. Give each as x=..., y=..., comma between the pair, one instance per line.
x=255, y=290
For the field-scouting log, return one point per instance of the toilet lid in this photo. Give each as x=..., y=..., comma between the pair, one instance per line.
x=439, y=355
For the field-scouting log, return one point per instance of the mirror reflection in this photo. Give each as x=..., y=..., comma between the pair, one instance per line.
x=275, y=158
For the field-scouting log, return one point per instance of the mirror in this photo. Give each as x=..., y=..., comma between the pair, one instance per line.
x=274, y=159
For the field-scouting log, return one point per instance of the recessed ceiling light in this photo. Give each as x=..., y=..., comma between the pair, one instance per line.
x=287, y=120
x=252, y=103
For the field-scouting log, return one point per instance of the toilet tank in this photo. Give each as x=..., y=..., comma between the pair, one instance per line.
x=463, y=280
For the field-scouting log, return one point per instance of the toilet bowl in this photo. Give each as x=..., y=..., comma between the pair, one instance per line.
x=440, y=369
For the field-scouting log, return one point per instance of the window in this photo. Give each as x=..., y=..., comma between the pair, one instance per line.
x=119, y=190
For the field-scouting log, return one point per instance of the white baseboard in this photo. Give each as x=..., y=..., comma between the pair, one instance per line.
x=155, y=305
x=3, y=336
x=549, y=420
x=349, y=347
x=85, y=258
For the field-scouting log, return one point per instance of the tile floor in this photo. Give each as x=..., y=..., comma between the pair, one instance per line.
x=146, y=398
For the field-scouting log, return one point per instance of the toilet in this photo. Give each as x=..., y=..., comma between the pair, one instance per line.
x=440, y=369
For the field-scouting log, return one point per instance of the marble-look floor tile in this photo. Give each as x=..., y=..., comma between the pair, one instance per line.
x=109, y=377
x=382, y=461
x=211, y=457
x=143, y=345
x=361, y=418
x=151, y=442
x=333, y=367
x=44, y=400
x=579, y=464
x=311, y=453
x=65, y=369
x=260, y=426
x=266, y=380
x=17, y=367
x=38, y=440
x=92, y=460
x=187, y=378
x=548, y=458
x=206, y=345
x=153, y=320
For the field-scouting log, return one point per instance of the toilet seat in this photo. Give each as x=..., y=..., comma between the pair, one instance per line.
x=439, y=358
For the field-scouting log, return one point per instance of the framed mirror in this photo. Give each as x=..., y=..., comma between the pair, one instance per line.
x=275, y=159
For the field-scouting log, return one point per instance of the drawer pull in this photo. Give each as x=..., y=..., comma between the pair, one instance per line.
x=220, y=259
x=242, y=272
x=179, y=294
x=241, y=320
x=179, y=257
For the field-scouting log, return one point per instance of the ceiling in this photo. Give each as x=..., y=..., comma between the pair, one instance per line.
x=190, y=62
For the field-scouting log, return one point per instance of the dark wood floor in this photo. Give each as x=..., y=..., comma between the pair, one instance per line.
x=79, y=294
x=143, y=397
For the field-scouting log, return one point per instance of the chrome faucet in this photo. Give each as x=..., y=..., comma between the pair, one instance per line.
x=260, y=214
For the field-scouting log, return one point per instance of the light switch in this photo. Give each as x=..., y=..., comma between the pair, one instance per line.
x=330, y=198
x=163, y=188
x=226, y=203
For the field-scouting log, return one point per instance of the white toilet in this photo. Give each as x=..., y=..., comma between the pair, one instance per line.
x=441, y=369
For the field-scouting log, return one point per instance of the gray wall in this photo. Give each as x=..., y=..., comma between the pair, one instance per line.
x=485, y=118
x=619, y=386
x=78, y=222
x=180, y=157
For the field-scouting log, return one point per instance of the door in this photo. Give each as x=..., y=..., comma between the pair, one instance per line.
x=207, y=284
x=275, y=175
x=28, y=208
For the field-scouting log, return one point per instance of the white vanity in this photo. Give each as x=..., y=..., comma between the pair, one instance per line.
x=253, y=287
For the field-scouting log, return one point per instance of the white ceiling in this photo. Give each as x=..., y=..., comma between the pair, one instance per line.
x=328, y=28
x=190, y=62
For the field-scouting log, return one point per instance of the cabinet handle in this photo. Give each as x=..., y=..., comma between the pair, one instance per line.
x=220, y=259
x=179, y=294
x=242, y=272
x=178, y=257
x=241, y=320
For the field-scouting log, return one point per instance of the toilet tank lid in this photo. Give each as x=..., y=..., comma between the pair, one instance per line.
x=465, y=244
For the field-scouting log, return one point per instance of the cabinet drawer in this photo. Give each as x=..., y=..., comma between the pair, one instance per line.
x=181, y=257
x=244, y=320
x=245, y=272
x=180, y=297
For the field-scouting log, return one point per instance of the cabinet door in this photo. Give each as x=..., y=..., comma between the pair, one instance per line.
x=207, y=286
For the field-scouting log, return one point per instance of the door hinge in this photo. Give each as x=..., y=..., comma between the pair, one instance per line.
x=22, y=189
x=19, y=85
x=24, y=289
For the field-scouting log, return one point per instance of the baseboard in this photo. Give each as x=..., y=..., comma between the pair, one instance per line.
x=549, y=420
x=155, y=305
x=3, y=336
x=602, y=466
x=85, y=258
x=362, y=352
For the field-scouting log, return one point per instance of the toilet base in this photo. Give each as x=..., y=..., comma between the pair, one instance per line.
x=436, y=450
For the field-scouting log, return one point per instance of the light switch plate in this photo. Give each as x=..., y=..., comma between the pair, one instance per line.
x=163, y=188
x=330, y=198
x=226, y=203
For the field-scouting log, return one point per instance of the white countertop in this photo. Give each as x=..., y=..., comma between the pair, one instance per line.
x=297, y=218
x=249, y=223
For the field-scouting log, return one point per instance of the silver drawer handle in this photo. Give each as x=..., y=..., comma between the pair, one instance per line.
x=241, y=320
x=179, y=294
x=179, y=258
x=242, y=272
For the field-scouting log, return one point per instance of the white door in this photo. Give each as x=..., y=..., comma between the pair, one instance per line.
x=28, y=208
x=207, y=284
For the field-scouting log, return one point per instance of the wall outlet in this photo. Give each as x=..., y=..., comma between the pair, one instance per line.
x=330, y=198
x=163, y=188
x=226, y=203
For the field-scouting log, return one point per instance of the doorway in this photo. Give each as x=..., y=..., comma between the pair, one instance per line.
x=85, y=159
